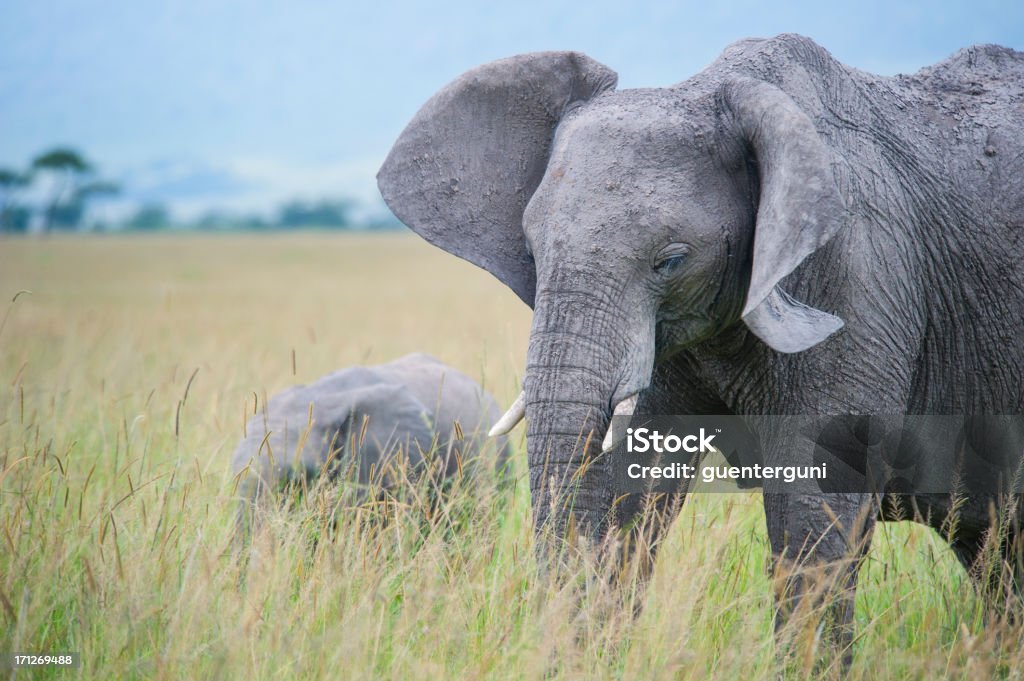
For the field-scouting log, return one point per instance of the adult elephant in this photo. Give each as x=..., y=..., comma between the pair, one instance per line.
x=779, y=234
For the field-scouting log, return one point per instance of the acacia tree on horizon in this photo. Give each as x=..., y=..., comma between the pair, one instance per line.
x=74, y=183
x=69, y=168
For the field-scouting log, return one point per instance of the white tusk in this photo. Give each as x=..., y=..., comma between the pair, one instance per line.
x=624, y=408
x=511, y=418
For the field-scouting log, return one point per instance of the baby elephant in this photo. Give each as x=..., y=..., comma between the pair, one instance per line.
x=372, y=426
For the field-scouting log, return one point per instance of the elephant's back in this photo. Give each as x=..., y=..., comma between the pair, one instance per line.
x=349, y=378
x=970, y=112
x=975, y=101
x=449, y=395
x=977, y=77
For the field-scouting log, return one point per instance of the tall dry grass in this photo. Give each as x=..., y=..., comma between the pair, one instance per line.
x=125, y=378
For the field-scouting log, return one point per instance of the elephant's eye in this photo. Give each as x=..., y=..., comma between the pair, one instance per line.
x=670, y=260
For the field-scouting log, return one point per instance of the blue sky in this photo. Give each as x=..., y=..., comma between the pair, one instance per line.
x=241, y=103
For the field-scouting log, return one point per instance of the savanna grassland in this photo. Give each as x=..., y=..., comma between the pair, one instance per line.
x=125, y=378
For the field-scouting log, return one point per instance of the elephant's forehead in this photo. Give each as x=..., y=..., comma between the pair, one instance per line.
x=629, y=147
x=625, y=158
x=577, y=207
x=643, y=163
x=644, y=126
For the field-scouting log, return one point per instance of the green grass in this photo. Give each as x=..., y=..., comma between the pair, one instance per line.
x=117, y=503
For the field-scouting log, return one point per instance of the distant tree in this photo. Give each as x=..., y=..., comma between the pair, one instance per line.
x=325, y=213
x=16, y=218
x=150, y=217
x=73, y=185
x=213, y=220
x=68, y=214
x=68, y=169
x=10, y=178
x=98, y=188
x=65, y=216
x=13, y=217
x=219, y=220
x=254, y=222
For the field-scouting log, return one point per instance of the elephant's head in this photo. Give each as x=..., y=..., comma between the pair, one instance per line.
x=635, y=223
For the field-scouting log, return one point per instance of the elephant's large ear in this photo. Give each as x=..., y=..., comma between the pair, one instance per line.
x=463, y=170
x=799, y=210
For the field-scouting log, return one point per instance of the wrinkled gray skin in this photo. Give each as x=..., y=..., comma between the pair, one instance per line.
x=779, y=234
x=407, y=404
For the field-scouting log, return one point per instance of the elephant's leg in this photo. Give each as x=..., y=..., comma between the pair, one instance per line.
x=817, y=543
x=644, y=520
x=1012, y=581
x=996, y=568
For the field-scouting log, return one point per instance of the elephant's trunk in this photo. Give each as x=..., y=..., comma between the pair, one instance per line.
x=569, y=479
x=577, y=368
